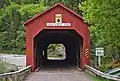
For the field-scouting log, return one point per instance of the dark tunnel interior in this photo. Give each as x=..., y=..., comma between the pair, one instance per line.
x=69, y=38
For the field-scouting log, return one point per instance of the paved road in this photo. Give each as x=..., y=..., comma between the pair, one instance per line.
x=59, y=74
x=19, y=60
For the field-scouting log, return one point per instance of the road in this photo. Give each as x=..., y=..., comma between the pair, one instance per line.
x=58, y=74
x=19, y=60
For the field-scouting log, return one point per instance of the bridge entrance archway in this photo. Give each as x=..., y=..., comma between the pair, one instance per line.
x=69, y=38
x=57, y=25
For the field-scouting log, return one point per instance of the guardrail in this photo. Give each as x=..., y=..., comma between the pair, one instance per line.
x=17, y=75
x=101, y=74
x=115, y=71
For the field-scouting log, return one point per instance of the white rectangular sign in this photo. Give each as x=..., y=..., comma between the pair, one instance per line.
x=99, y=51
x=58, y=24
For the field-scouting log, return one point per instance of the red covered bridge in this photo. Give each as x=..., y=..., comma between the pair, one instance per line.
x=57, y=25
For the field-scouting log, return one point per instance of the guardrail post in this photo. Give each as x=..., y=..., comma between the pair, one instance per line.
x=15, y=78
x=5, y=79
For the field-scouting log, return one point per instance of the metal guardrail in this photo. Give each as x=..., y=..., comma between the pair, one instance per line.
x=117, y=74
x=101, y=74
x=17, y=75
x=115, y=71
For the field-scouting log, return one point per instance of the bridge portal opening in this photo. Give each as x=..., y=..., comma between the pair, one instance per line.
x=71, y=41
x=56, y=52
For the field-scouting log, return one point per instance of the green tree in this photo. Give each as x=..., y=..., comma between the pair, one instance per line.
x=9, y=25
x=21, y=2
x=73, y=4
x=12, y=30
x=103, y=17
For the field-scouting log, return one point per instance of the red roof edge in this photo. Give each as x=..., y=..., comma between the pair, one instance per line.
x=60, y=4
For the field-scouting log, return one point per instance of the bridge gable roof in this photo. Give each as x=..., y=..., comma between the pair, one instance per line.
x=56, y=5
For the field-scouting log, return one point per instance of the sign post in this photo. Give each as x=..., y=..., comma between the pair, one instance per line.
x=99, y=60
x=99, y=53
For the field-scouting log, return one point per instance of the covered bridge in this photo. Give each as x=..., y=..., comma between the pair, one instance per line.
x=57, y=25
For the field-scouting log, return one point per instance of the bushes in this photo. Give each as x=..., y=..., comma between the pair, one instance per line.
x=115, y=64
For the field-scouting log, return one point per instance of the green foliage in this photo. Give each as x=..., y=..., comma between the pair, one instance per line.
x=29, y=10
x=9, y=25
x=73, y=4
x=12, y=30
x=8, y=2
x=101, y=79
x=115, y=64
x=56, y=51
x=3, y=67
x=97, y=78
x=104, y=16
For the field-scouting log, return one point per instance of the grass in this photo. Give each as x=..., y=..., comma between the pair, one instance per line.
x=3, y=67
x=97, y=78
